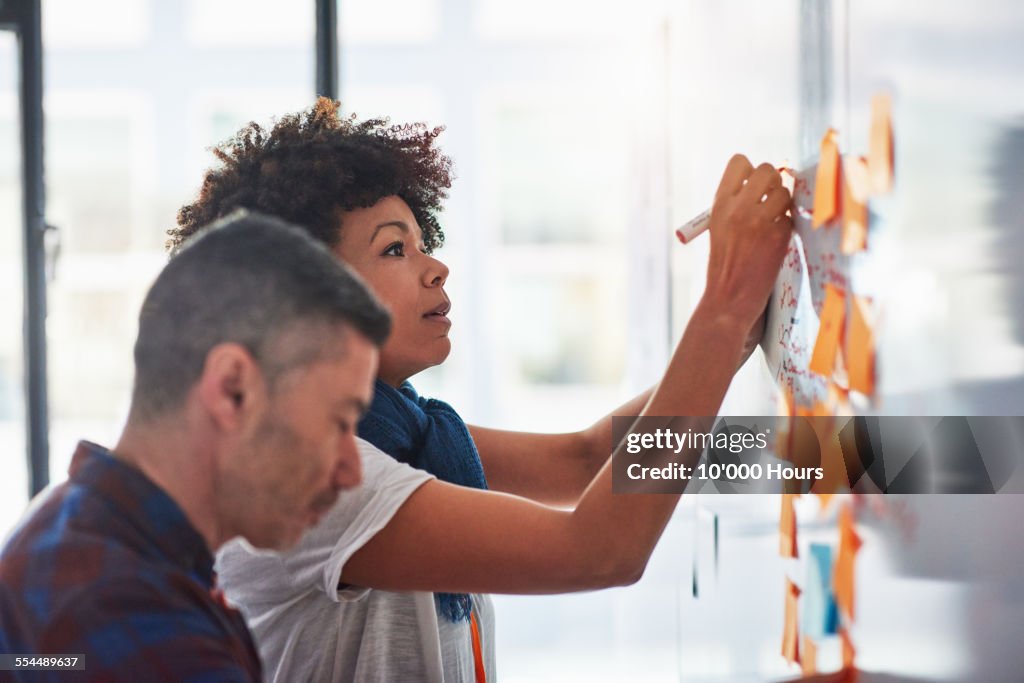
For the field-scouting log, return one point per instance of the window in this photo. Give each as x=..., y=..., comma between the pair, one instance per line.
x=14, y=483
x=129, y=125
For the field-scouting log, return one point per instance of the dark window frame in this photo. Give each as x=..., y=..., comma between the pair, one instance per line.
x=22, y=17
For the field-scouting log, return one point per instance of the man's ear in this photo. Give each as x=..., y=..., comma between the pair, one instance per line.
x=232, y=386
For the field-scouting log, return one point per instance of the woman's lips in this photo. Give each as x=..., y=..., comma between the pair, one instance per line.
x=439, y=318
x=440, y=314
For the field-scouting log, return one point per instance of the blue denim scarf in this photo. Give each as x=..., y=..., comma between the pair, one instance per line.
x=427, y=434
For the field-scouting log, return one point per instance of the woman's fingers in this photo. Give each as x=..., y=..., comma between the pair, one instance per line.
x=736, y=173
x=763, y=180
x=777, y=201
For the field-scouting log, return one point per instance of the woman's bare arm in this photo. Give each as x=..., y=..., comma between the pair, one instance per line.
x=553, y=469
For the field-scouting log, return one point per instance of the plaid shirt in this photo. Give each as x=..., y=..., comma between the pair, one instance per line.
x=108, y=566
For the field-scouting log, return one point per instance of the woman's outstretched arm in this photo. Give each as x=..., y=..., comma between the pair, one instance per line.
x=555, y=469
x=507, y=544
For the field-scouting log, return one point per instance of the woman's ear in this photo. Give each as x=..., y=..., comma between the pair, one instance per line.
x=231, y=387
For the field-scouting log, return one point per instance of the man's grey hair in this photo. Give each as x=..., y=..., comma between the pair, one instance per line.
x=255, y=281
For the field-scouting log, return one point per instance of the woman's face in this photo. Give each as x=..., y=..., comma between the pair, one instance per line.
x=383, y=243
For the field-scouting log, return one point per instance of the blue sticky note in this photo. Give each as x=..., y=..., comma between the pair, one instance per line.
x=820, y=615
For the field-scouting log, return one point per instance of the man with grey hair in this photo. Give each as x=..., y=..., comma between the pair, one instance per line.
x=254, y=361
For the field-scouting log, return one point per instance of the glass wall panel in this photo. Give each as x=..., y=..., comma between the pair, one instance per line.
x=14, y=482
x=556, y=237
x=130, y=120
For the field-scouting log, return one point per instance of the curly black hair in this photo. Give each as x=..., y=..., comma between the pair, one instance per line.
x=314, y=164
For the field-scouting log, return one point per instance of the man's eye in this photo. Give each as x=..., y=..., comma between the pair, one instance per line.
x=395, y=249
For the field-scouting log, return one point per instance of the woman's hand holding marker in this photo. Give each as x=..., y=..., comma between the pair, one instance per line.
x=750, y=232
x=696, y=226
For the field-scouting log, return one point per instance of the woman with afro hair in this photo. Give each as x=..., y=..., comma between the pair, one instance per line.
x=388, y=586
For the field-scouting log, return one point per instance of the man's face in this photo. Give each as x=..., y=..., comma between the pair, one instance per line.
x=302, y=451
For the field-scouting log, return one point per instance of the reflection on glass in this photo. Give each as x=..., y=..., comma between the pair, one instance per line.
x=1006, y=171
x=953, y=71
x=14, y=482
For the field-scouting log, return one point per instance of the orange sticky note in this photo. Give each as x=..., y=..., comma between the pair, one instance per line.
x=855, y=205
x=787, y=527
x=849, y=651
x=790, y=631
x=831, y=461
x=826, y=181
x=880, y=144
x=859, y=349
x=784, y=435
x=843, y=578
x=833, y=312
x=809, y=657
x=789, y=403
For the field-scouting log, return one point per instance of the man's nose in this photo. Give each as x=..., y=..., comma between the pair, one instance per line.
x=349, y=472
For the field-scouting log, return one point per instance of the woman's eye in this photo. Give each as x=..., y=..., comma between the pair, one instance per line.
x=396, y=249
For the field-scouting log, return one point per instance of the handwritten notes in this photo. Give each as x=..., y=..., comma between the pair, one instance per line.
x=820, y=345
x=807, y=328
x=813, y=315
x=813, y=259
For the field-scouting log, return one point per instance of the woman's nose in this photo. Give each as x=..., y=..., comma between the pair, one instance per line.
x=436, y=274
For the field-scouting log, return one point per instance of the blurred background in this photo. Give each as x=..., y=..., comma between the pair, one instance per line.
x=582, y=133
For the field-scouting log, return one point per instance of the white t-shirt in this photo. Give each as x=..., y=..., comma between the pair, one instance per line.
x=308, y=629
